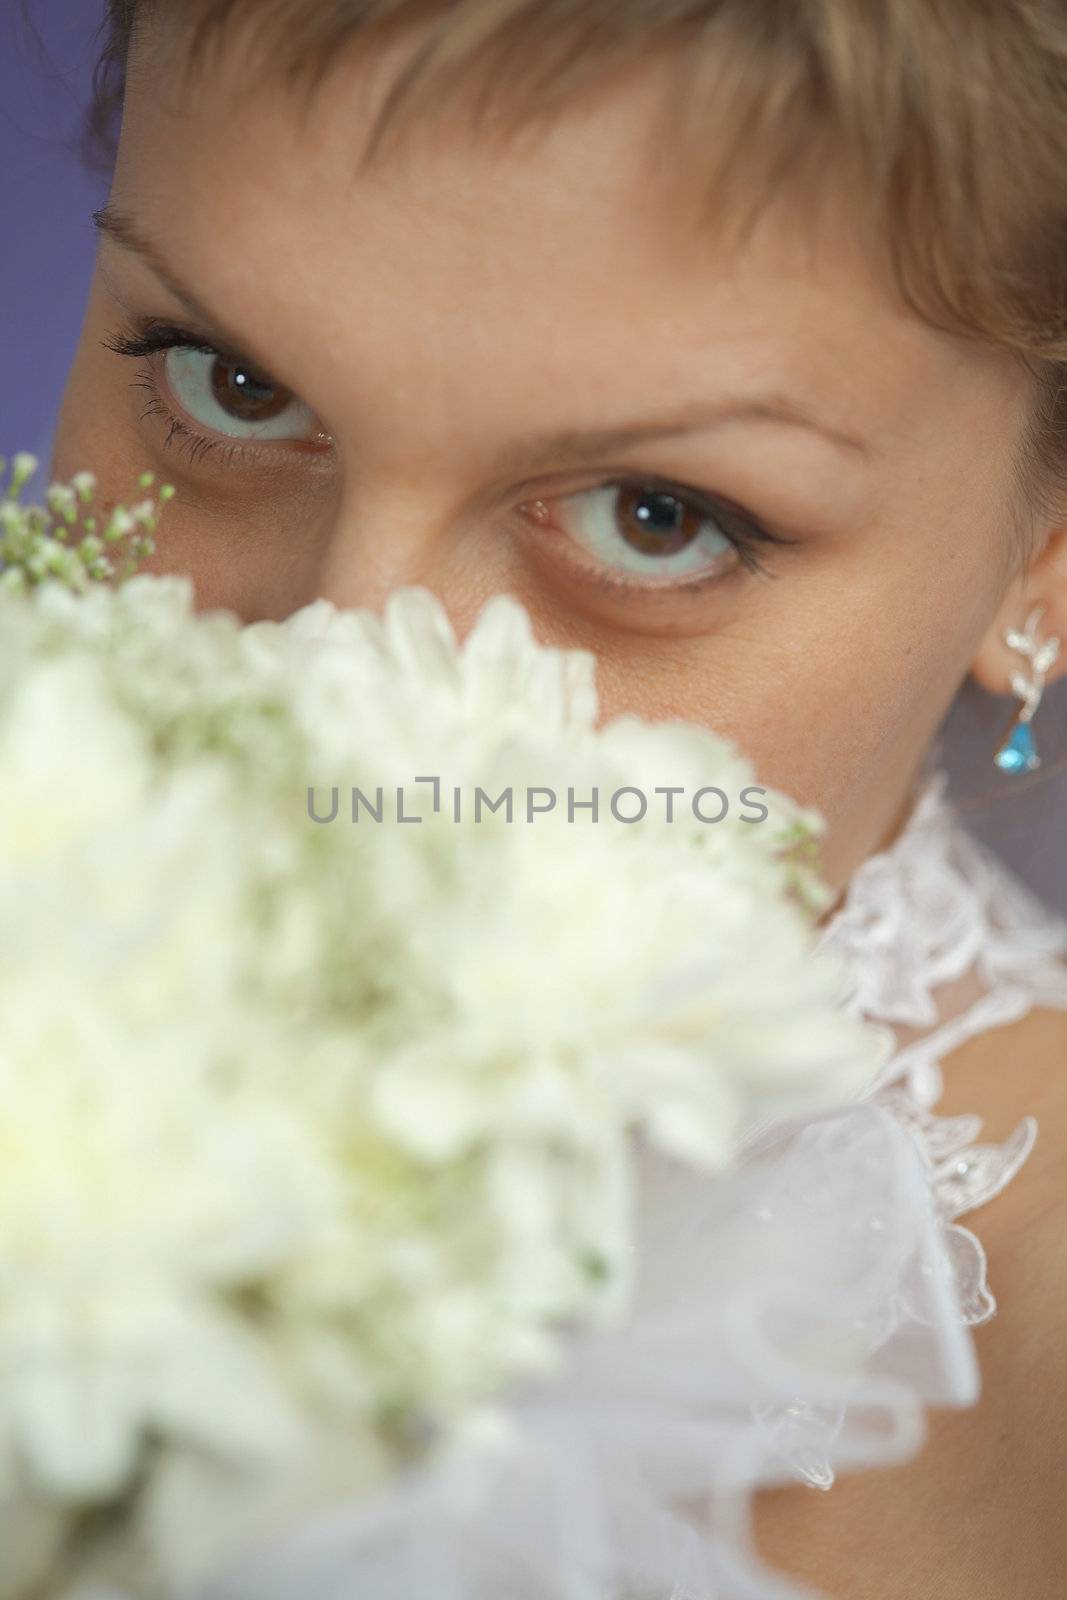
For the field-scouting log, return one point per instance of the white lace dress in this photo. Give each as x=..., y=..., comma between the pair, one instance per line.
x=794, y=1320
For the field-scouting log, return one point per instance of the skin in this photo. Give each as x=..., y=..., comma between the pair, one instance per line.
x=434, y=318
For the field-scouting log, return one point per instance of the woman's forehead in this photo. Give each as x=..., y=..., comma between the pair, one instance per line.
x=611, y=171
x=572, y=256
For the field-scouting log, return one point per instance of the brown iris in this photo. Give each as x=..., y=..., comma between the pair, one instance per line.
x=656, y=523
x=244, y=395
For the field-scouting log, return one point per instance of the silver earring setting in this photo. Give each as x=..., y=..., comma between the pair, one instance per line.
x=1017, y=752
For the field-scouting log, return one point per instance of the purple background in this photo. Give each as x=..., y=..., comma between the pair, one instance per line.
x=46, y=256
x=46, y=198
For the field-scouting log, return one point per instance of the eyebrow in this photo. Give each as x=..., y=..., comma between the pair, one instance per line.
x=120, y=226
x=547, y=450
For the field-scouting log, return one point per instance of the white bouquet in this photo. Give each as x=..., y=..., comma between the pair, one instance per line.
x=347, y=971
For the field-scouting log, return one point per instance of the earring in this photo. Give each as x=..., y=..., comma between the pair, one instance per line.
x=1017, y=751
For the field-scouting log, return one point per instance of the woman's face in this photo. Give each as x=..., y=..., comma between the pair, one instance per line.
x=532, y=370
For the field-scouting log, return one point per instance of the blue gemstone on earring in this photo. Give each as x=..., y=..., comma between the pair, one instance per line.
x=1017, y=753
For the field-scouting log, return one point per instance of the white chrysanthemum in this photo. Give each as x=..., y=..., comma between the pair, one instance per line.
x=310, y=1123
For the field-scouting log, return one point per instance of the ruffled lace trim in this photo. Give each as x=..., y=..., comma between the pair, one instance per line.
x=933, y=909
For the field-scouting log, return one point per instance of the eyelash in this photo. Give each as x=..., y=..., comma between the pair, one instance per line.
x=153, y=337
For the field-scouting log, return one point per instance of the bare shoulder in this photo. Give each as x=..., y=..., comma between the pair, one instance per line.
x=978, y=1514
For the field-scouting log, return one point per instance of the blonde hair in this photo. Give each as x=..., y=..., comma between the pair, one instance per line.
x=950, y=116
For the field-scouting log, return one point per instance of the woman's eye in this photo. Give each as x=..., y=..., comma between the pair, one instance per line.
x=651, y=533
x=233, y=399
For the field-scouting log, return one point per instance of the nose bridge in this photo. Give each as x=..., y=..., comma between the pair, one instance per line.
x=385, y=535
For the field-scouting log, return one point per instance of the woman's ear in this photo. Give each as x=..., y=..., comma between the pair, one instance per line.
x=1043, y=583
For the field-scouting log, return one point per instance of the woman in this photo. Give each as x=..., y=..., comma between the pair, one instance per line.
x=731, y=337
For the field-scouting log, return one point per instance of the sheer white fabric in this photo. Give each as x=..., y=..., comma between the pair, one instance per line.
x=793, y=1320
x=944, y=942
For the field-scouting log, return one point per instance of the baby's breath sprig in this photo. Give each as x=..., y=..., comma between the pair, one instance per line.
x=800, y=850
x=64, y=540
